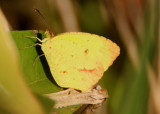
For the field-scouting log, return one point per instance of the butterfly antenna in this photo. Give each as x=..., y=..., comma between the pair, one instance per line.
x=44, y=20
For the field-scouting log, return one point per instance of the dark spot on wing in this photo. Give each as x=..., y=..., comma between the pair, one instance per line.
x=86, y=51
x=64, y=72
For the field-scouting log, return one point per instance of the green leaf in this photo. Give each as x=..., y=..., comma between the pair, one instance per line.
x=36, y=71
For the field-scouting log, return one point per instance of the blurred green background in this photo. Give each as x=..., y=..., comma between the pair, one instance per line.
x=133, y=81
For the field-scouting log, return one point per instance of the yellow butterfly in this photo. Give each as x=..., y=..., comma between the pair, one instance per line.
x=78, y=60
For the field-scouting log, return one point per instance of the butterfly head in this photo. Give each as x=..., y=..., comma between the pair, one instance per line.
x=49, y=34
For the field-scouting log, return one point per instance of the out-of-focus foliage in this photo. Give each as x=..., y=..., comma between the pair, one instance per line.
x=15, y=96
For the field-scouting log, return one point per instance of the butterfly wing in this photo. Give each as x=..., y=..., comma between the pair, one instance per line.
x=78, y=60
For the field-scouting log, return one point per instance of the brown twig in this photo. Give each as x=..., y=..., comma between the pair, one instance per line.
x=70, y=97
x=89, y=109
